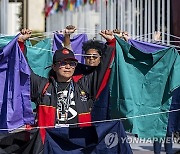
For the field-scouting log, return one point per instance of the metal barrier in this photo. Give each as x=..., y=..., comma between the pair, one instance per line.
x=3, y=16
x=138, y=17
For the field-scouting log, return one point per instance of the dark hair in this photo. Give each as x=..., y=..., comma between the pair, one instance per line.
x=93, y=44
x=52, y=73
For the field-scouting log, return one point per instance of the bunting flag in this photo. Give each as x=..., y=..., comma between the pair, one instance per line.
x=40, y=56
x=15, y=105
x=53, y=6
x=174, y=117
x=47, y=9
x=78, y=3
x=92, y=1
x=85, y=1
x=65, y=4
x=141, y=84
x=71, y=6
x=76, y=43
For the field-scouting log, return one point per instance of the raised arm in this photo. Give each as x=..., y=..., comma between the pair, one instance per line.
x=109, y=37
x=25, y=34
x=70, y=29
x=97, y=80
x=122, y=34
x=37, y=82
x=107, y=34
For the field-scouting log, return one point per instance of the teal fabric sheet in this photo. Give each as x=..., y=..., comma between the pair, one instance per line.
x=40, y=56
x=142, y=84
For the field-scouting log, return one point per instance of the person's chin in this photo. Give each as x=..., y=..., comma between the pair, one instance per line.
x=92, y=64
x=67, y=75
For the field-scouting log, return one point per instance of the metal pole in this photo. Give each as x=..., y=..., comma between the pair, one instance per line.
x=141, y=19
x=119, y=15
x=129, y=22
x=159, y=17
x=100, y=14
x=111, y=15
x=137, y=13
x=168, y=21
x=133, y=19
x=114, y=14
x=122, y=21
x=163, y=20
x=145, y=22
x=103, y=15
x=4, y=16
x=149, y=20
x=153, y=16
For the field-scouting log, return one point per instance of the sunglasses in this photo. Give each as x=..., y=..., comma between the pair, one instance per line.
x=64, y=63
x=93, y=56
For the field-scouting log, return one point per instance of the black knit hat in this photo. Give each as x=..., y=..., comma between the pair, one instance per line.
x=63, y=54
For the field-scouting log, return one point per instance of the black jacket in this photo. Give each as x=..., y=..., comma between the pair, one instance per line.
x=89, y=83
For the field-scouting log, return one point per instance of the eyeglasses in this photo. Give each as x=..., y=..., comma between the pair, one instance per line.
x=64, y=63
x=93, y=56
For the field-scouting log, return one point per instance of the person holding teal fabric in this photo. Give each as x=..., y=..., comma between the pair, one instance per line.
x=150, y=48
x=93, y=49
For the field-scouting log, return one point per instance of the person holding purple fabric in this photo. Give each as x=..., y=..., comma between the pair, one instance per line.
x=67, y=32
x=75, y=41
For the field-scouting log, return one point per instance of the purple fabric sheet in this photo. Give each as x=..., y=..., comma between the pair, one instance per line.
x=15, y=104
x=146, y=46
x=76, y=43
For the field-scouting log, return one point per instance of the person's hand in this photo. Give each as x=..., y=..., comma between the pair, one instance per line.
x=107, y=34
x=126, y=35
x=25, y=34
x=122, y=34
x=157, y=36
x=118, y=32
x=69, y=30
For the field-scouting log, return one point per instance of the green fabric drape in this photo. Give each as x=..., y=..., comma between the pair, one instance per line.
x=141, y=84
x=40, y=56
